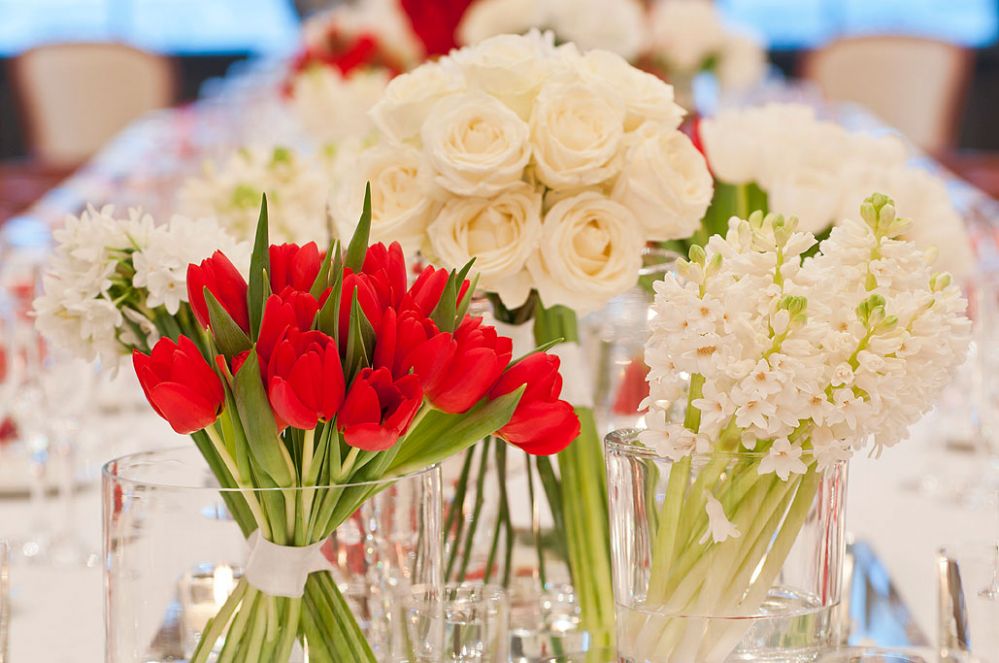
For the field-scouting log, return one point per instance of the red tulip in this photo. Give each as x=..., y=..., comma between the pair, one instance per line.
x=407, y=338
x=386, y=267
x=179, y=384
x=479, y=358
x=305, y=380
x=542, y=424
x=378, y=409
x=290, y=310
x=225, y=282
x=367, y=297
x=427, y=291
x=294, y=266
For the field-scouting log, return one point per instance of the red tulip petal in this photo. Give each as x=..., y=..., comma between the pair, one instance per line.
x=288, y=407
x=370, y=437
x=185, y=410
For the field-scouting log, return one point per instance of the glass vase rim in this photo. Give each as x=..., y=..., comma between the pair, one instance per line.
x=625, y=440
x=661, y=260
x=163, y=452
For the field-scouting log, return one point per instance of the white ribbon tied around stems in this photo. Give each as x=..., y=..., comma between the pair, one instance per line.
x=577, y=387
x=282, y=570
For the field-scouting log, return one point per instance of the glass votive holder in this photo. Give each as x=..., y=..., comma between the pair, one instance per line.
x=476, y=624
x=969, y=602
x=545, y=625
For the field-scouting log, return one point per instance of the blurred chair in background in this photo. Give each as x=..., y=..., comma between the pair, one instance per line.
x=914, y=84
x=75, y=97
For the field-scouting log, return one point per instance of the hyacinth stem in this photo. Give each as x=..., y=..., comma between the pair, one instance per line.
x=698, y=581
x=584, y=503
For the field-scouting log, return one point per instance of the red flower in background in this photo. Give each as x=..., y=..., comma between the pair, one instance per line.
x=305, y=380
x=379, y=409
x=225, y=282
x=479, y=357
x=179, y=384
x=293, y=266
x=542, y=424
x=436, y=22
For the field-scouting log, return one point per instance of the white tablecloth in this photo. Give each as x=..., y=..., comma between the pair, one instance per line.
x=58, y=612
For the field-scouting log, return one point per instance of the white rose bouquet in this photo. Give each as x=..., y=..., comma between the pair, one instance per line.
x=297, y=187
x=794, y=364
x=688, y=37
x=780, y=157
x=551, y=169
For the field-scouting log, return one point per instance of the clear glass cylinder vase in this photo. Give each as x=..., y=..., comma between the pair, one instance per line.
x=174, y=556
x=715, y=561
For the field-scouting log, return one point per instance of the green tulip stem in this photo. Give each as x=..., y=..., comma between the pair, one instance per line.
x=230, y=464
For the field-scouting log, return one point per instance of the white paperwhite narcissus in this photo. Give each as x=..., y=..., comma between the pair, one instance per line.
x=77, y=311
x=297, y=188
x=817, y=170
x=805, y=360
x=720, y=528
x=515, y=119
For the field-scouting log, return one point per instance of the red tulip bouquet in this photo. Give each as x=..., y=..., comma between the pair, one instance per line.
x=326, y=371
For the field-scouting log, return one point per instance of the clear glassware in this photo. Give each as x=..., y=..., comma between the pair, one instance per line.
x=615, y=340
x=766, y=592
x=476, y=623
x=172, y=554
x=969, y=602
x=545, y=624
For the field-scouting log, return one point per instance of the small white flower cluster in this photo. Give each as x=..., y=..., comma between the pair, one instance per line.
x=297, y=187
x=551, y=168
x=618, y=26
x=101, y=261
x=801, y=359
x=818, y=170
x=690, y=36
x=332, y=105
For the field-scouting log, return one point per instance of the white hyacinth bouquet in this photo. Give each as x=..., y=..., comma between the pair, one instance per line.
x=791, y=365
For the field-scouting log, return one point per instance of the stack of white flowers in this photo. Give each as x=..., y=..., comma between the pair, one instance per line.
x=297, y=187
x=332, y=105
x=550, y=167
x=690, y=36
x=98, y=255
x=802, y=359
x=612, y=26
x=818, y=170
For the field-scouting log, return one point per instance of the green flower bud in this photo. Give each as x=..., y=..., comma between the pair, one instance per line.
x=245, y=195
x=281, y=155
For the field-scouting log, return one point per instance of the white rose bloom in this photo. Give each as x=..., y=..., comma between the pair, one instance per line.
x=811, y=194
x=501, y=233
x=511, y=68
x=645, y=97
x=742, y=62
x=686, y=32
x=576, y=134
x=666, y=184
x=476, y=145
x=617, y=26
x=331, y=107
x=590, y=252
x=408, y=98
x=399, y=209
x=488, y=18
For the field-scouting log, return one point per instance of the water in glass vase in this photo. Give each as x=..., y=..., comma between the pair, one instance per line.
x=790, y=627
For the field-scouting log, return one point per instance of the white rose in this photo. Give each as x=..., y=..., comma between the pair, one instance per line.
x=407, y=100
x=476, y=145
x=332, y=107
x=742, y=62
x=812, y=194
x=500, y=233
x=645, y=97
x=617, y=26
x=591, y=251
x=732, y=148
x=666, y=184
x=400, y=211
x=487, y=18
x=576, y=133
x=510, y=67
x=686, y=33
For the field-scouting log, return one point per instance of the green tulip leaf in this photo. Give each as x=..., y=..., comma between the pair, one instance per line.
x=358, y=246
x=360, y=341
x=266, y=448
x=230, y=339
x=259, y=266
x=439, y=435
x=323, y=277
